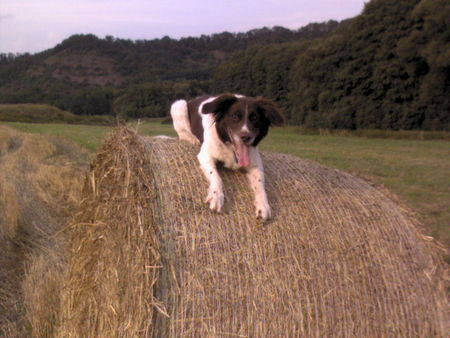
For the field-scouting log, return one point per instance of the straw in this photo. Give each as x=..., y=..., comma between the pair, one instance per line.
x=339, y=258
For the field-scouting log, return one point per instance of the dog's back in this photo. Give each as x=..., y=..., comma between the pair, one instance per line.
x=195, y=118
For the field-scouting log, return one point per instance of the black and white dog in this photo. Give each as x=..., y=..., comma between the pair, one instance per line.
x=228, y=127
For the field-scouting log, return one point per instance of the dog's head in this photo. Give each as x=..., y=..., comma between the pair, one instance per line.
x=243, y=121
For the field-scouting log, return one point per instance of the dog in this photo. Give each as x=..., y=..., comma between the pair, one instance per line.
x=228, y=127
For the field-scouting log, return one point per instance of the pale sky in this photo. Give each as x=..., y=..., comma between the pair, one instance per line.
x=35, y=25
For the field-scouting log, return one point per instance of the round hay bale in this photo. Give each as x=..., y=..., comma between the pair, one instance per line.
x=338, y=258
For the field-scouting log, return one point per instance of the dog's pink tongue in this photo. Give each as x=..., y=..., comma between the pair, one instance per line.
x=243, y=156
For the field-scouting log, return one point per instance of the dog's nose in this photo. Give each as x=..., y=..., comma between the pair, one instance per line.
x=246, y=138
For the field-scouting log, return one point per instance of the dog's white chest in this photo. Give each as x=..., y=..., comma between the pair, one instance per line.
x=226, y=155
x=214, y=146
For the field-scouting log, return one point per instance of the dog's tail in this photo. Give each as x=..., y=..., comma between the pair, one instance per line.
x=179, y=109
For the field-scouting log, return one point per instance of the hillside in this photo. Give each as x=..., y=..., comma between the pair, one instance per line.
x=43, y=113
x=85, y=74
x=388, y=68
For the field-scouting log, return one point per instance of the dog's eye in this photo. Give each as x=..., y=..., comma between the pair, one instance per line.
x=236, y=116
x=253, y=117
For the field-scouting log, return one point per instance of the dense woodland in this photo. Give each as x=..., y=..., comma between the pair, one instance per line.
x=388, y=68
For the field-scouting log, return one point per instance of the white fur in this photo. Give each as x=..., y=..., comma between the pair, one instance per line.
x=164, y=137
x=213, y=150
x=245, y=128
x=255, y=175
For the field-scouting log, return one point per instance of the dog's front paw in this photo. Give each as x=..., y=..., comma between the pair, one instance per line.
x=215, y=198
x=262, y=210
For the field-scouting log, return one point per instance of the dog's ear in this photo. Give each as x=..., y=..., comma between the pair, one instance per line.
x=220, y=104
x=271, y=111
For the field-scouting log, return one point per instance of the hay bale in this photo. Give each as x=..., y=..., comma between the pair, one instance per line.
x=114, y=249
x=339, y=258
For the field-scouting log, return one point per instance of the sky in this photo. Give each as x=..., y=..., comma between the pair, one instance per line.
x=35, y=25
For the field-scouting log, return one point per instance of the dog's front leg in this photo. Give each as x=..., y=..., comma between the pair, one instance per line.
x=215, y=195
x=255, y=175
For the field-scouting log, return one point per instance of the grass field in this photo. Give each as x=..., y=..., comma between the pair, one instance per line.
x=90, y=137
x=417, y=171
x=43, y=113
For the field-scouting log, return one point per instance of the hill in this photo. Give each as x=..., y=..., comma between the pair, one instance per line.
x=43, y=113
x=85, y=74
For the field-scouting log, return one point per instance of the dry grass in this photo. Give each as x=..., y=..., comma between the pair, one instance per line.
x=147, y=258
x=40, y=181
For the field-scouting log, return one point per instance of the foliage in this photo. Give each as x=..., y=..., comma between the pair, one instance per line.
x=88, y=75
x=376, y=73
x=260, y=72
x=153, y=99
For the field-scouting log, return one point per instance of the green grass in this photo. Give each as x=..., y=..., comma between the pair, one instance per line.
x=90, y=137
x=418, y=171
x=377, y=133
x=43, y=113
x=154, y=127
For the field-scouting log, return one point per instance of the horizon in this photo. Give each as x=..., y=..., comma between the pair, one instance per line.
x=162, y=37
x=33, y=26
